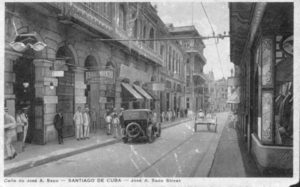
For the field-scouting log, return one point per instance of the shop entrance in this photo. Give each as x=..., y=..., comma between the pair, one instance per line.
x=25, y=92
x=65, y=92
x=91, y=92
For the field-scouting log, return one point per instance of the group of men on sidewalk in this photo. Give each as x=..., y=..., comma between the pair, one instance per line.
x=171, y=115
x=12, y=126
x=84, y=119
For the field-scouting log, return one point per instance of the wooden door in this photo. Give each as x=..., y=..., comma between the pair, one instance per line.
x=65, y=93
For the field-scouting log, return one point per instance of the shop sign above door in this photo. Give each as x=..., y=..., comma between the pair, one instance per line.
x=99, y=75
x=158, y=86
x=57, y=73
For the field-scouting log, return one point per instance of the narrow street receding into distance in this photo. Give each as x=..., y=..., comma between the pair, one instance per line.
x=179, y=152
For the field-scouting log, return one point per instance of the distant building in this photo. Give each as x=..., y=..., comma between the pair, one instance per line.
x=195, y=61
x=221, y=95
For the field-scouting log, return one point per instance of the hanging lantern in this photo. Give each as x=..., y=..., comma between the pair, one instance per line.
x=25, y=84
x=25, y=41
x=51, y=85
x=18, y=46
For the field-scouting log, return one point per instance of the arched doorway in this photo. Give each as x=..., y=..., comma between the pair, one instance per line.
x=65, y=91
x=110, y=88
x=24, y=89
x=91, y=91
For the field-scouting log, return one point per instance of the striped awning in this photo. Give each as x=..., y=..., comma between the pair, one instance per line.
x=130, y=89
x=142, y=91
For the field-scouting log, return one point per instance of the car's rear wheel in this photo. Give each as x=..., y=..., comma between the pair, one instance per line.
x=133, y=130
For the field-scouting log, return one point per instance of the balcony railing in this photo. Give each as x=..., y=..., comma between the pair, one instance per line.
x=85, y=13
x=90, y=15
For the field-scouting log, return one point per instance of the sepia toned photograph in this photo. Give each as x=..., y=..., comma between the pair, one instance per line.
x=145, y=93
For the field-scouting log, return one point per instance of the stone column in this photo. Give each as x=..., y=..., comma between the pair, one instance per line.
x=118, y=99
x=44, y=130
x=102, y=101
x=9, y=80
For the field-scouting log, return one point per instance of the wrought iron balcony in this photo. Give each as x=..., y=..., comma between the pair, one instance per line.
x=91, y=14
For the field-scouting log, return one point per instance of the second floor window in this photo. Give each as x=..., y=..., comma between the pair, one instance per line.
x=144, y=33
x=161, y=50
x=135, y=29
x=170, y=58
x=122, y=17
x=151, y=36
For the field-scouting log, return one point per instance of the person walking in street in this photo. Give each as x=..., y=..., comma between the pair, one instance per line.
x=108, y=118
x=121, y=119
x=115, y=123
x=78, y=120
x=59, y=124
x=169, y=115
x=162, y=116
x=93, y=120
x=86, y=124
x=9, y=127
x=22, y=119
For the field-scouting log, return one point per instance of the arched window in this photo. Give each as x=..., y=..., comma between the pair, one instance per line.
x=135, y=29
x=170, y=58
x=144, y=33
x=151, y=36
x=122, y=17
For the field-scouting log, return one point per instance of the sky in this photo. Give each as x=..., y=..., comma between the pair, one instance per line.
x=191, y=13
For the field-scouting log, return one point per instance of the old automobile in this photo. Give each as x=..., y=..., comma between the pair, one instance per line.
x=140, y=124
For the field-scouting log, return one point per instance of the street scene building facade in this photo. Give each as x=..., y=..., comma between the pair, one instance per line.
x=106, y=79
x=75, y=69
x=78, y=67
x=262, y=48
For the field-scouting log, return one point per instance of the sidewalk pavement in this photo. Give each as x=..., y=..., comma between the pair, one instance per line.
x=231, y=158
x=35, y=155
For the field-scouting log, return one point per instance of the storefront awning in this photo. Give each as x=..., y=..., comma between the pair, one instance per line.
x=234, y=98
x=142, y=92
x=130, y=89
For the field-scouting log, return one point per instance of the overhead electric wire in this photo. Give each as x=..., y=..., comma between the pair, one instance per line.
x=219, y=58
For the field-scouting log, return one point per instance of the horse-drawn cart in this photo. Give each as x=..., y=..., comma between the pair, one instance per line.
x=208, y=121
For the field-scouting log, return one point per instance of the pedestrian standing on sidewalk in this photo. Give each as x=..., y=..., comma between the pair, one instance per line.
x=59, y=124
x=107, y=117
x=121, y=118
x=173, y=115
x=169, y=115
x=162, y=116
x=86, y=124
x=93, y=120
x=9, y=127
x=78, y=120
x=22, y=119
x=115, y=123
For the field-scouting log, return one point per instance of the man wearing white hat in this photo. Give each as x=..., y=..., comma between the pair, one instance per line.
x=9, y=126
x=78, y=120
x=86, y=124
x=22, y=119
